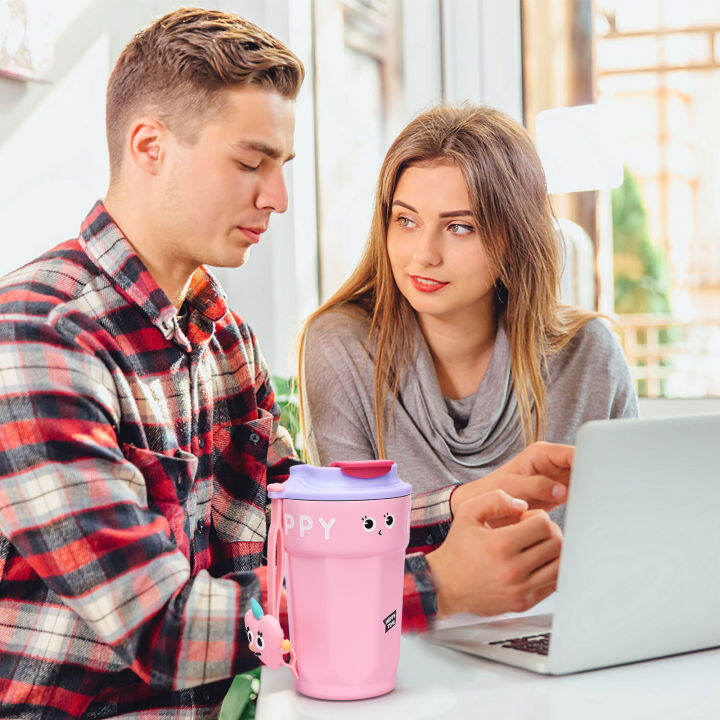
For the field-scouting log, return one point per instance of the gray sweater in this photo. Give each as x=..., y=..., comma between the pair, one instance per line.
x=434, y=441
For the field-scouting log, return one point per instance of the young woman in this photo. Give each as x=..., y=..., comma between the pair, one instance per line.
x=447, y=350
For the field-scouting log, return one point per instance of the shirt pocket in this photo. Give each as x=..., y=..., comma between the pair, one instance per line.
x=168, y=479
x=240, y=493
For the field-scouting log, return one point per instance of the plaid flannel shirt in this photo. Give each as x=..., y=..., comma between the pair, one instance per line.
x=135, y=454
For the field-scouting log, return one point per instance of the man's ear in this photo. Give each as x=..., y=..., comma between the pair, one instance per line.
x=148, y=138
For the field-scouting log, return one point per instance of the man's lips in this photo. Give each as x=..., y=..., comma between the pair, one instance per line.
x=424, y=284
x=252, y=233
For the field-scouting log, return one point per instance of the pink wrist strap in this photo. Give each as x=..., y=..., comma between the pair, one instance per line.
x=276, y=550
x=275, y=567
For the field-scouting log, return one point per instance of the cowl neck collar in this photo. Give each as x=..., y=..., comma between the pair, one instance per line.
x=494, y=423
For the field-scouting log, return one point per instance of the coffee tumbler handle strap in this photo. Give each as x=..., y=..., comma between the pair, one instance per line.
x=276, y=551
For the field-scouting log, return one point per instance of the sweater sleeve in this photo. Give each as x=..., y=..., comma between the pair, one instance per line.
x=589, y=380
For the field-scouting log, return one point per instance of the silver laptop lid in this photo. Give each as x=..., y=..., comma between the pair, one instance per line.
x=640, y=566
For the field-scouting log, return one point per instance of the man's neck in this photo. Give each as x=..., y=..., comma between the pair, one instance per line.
x=171, y=274
x=461, y=348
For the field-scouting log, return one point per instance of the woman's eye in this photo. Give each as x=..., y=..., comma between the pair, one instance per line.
x=403, y=221
x=368, y=523
x=389, y=520
x=458, y=229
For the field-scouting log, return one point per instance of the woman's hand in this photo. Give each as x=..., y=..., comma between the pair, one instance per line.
x=489, y=571
x=539, y=475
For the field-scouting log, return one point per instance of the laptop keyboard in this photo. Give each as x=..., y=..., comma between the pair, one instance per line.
x=538, y=644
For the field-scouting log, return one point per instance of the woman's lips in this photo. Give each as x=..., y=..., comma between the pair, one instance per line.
x=426, y=284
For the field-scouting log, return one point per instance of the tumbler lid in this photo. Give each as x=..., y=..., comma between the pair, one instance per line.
x=361, y=480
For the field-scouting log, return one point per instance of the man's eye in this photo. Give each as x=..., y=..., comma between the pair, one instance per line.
x=247, y=168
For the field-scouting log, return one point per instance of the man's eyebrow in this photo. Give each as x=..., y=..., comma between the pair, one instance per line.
x=272, y=152
x=452, y=213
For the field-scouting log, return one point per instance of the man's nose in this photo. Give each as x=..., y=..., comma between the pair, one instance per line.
x=273, y=193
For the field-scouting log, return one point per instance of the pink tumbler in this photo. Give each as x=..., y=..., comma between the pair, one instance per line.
x=340, y=533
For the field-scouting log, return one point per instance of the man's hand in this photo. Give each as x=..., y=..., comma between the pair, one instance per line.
x=539, y=475
x=487, y=570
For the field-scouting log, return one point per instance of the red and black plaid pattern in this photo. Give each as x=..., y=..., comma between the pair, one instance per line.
x=135, y=454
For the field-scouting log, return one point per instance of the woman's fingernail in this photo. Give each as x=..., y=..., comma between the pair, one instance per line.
x=519, y=504
x=558, y=491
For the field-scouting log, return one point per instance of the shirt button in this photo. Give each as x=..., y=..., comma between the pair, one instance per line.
x=201, y=525
x=201, y=442
x=254, y=438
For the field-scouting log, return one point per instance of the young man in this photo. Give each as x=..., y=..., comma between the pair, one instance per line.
x=138, y=427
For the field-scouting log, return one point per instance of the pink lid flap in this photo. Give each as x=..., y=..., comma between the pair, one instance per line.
x=364, y=469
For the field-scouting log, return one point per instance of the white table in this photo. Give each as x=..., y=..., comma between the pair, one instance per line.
x=437, y=682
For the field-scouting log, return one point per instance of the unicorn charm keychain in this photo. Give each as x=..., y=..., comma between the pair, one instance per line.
x=264, y=632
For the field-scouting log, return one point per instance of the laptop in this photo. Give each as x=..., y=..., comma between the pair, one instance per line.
x=639, y=573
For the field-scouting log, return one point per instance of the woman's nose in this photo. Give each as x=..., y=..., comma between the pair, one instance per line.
x=426, y=251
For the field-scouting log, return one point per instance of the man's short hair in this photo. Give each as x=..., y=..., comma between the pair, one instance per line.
x=176, y=67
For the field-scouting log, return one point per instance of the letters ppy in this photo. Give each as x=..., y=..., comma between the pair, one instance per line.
x=305, y=524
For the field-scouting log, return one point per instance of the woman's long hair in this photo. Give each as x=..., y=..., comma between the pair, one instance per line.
x=508, y=195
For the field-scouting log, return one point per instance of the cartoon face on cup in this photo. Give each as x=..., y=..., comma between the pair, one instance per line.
x=371, y=525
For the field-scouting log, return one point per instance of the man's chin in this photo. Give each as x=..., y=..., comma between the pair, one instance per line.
x=231, y=260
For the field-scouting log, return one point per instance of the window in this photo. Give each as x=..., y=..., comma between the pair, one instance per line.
x=656, y=63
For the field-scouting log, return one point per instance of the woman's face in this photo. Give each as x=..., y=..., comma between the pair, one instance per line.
x=438, y=259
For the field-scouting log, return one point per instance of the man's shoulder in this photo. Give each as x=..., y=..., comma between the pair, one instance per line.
x=56, y=278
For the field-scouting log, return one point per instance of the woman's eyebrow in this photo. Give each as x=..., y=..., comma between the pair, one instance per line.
x=405, y=205
x=455, y=213
x=452, y=213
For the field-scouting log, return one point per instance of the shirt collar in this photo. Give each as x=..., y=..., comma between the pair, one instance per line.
x=104, y=243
